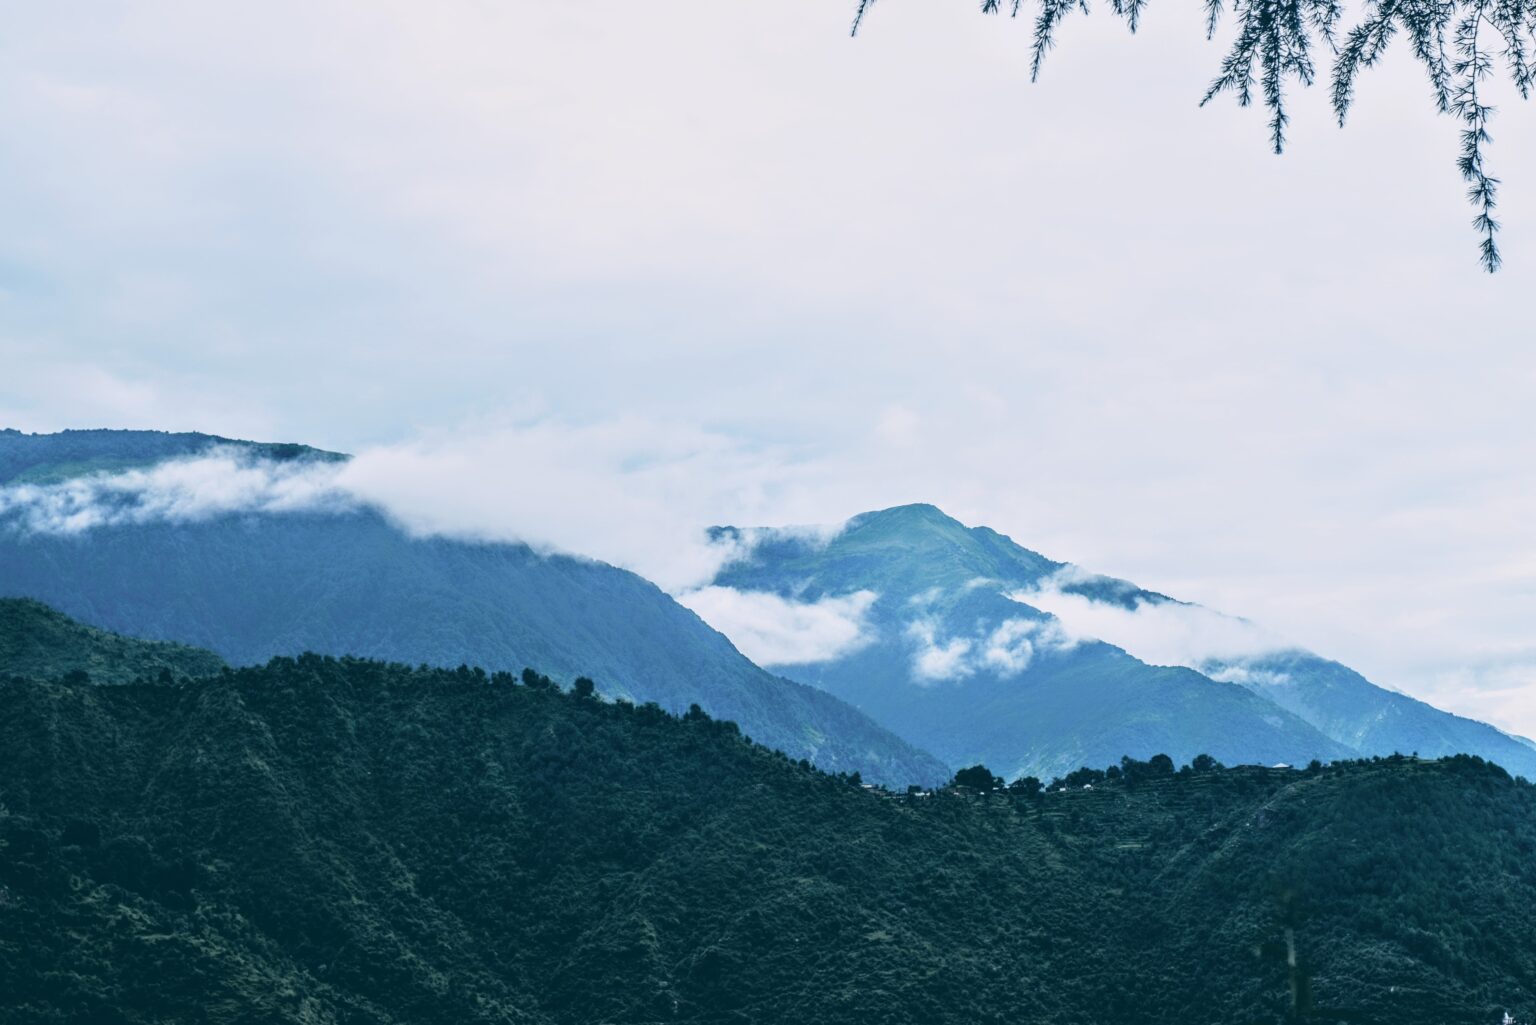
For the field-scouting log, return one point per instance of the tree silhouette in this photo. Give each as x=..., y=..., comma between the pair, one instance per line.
x=536, y=680
x=1205, y=763
x=978, y=777
x=1457, y=42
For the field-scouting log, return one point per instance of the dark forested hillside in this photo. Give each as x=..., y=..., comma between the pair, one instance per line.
x=43, y=643
x=337, y=841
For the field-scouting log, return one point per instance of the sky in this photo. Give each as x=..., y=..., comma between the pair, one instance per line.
x=599, y=274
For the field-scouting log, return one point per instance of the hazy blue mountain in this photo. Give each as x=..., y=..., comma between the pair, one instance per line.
x=1371, y=719
x=1005, y=686
x=1343, y=704
x=1072, y=704
x=351, y=582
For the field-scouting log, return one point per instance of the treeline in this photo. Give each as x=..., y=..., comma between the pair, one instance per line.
x=978, y=779
x=327, y=840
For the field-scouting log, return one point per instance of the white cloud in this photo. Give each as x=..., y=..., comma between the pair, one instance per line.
x=1161, y=633
x=1009, y=649
x=934, y=659
x=924, y=598
x=1238, y=673
x=634, y=493
x=223, y=481
x=1501, y=690
x=771, y=630
x=1006, y=650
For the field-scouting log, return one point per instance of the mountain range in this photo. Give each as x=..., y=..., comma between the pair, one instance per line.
x=953, y=655
x=343, y=578
x=957, y=651
x=270, y=762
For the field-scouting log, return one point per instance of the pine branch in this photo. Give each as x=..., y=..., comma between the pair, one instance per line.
x=1274, y=44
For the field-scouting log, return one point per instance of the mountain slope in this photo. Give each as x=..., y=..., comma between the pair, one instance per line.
x=42, y=643
x=347, y=580
x=942, y=585
x=972, y=675
x=326, y=841
x=1340, y=702
x=1370, y=719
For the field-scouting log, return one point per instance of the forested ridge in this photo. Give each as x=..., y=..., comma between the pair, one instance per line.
x=41, y=642
x=337, y=840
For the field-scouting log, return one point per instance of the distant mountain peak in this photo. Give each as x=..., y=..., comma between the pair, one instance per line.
x=911, y=512
x=914, y=518
x=1167, y=674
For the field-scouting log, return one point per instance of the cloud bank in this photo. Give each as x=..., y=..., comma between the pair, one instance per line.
x=224, y=481
x=1450, y=626
x=1005, y=650
x=1158, y=632
x=773, y=631
x=634, y=493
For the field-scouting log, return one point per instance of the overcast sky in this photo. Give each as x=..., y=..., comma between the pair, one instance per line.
x=601, y=271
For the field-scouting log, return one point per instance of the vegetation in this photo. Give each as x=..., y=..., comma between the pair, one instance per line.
x=978, y=778
x=42, y=643
x=1462, y=46
x=344, y=841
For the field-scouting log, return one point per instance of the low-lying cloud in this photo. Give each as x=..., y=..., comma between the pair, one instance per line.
x=633, y=493
x=1155, y=631
x=772, y=630
x=936, y=659
x=223, y=481
x=1004, y=650
x=1239, y=673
